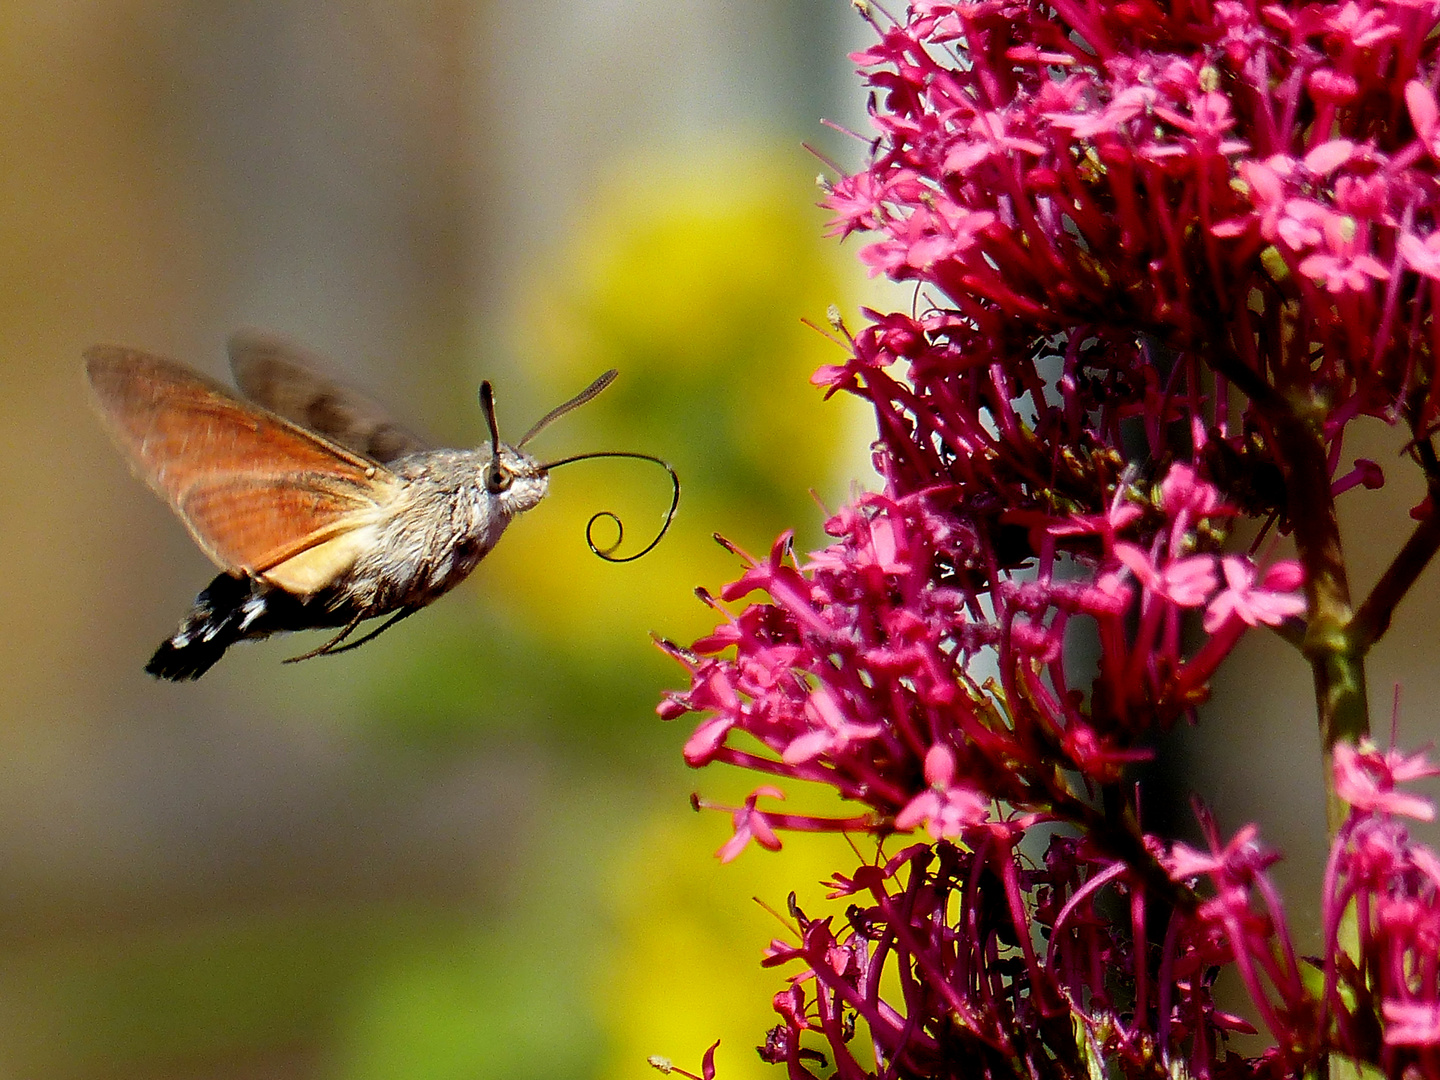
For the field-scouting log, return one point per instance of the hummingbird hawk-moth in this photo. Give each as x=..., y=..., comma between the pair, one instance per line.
x=320, y=511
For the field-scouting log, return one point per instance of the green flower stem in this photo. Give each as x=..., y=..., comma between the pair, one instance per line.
x=1337, y=663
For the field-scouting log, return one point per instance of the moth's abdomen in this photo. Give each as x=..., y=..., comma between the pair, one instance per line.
x=222, y=614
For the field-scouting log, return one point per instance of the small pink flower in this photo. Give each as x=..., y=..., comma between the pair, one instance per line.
x=833, y=729
x=1339, y=273
x=1411, y=1023
x=945, y=808
x=1329, y=156
x=1423, y=111
x=1240, y=599
x=708, y=737
x=1237, y=862
x=751, y=824
x=1366, y=780
x=1183, y=490
x=1186, y=581
x=1422, y=256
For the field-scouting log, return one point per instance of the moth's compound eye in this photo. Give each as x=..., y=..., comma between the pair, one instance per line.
x=498, y=479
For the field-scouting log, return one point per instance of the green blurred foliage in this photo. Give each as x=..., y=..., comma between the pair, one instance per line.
x=507, y=993
x=231, y=988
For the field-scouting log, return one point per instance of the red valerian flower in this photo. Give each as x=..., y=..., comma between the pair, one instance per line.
x=1269, y=605
x=1367, y=779
x=945, y=808
x=751, y=824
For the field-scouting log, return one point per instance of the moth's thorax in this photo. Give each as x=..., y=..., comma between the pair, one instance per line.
x=442, y=521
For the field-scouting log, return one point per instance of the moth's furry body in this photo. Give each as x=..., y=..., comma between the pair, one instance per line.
x=319, y=510
x=439, y=524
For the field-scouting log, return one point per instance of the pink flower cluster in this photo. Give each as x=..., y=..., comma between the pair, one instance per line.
x=1259, y=178
x=864, y=669
x=1164, y=253
x=1016, y=951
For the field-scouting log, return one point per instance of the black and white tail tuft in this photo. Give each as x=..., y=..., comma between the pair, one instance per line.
x=222, y=614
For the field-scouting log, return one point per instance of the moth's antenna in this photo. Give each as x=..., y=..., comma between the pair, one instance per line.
x=487, y=405
x=608, y=553
x=495, y=477
x=574, y=403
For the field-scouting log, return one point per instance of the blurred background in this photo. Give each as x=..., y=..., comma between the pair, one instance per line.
x=465, y=850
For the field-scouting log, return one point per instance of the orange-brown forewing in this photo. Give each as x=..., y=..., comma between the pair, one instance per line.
x=259, y=494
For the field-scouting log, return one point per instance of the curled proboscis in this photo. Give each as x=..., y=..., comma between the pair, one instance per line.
x=608, y=552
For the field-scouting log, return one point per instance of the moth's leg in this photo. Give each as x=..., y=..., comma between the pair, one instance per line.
x=329, y=646
x=401, y=614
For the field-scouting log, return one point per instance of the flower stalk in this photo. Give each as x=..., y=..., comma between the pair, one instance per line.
x=1337, y=661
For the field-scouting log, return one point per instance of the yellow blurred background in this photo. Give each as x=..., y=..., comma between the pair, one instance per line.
x=465, y=850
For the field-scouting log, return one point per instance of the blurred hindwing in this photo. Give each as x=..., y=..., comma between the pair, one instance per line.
x=291, y=382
